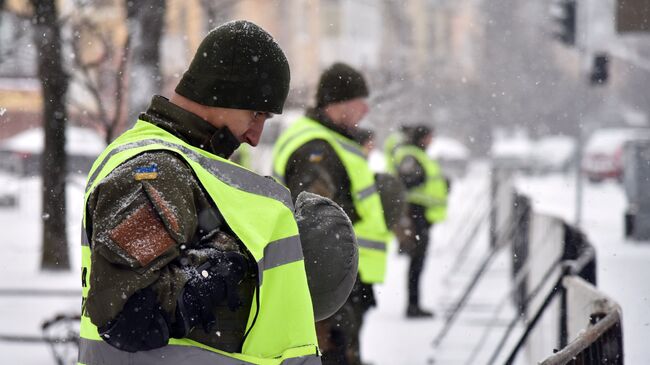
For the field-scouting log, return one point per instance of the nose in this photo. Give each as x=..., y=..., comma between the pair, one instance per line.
x=254, y=133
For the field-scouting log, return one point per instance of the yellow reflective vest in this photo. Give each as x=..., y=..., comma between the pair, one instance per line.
x=432, y=194
x=260, y=212
x=370, y=230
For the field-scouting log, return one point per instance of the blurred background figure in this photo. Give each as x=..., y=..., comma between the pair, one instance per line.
x=319, y=153
x=427, y=204
x=391, y=191
x=394, y=140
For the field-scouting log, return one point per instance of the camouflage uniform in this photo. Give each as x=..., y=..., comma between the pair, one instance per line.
x=172, y=210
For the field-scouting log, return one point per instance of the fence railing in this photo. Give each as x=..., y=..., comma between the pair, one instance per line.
x=552, y=264
x=601, y=340
x=556, y=259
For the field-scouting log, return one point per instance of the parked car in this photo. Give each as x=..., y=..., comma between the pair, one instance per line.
x=603, y=152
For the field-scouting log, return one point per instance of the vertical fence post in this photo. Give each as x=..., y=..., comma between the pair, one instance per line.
x=563, y=338
x=494, y=188
x=520, y=247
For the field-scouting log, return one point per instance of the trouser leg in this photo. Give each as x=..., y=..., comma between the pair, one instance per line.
x=334, y=336
x=418, y=256
x=415, y=269
x=362, y=299
x=353, y=352
x=338, y=336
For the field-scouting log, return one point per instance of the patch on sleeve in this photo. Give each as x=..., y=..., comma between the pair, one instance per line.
x=146, y=172
x=315, y=157
x=142, y=235
x=163, y=208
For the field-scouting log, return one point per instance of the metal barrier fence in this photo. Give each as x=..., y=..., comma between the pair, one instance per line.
x=558, y=300
x=600, y=340
x=552, y=264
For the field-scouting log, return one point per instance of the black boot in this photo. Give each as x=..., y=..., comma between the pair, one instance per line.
x=414, y=311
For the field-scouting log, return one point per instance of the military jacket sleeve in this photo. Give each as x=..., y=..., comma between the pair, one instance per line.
x=140, y=223
x=411, y=172
x=315, y=167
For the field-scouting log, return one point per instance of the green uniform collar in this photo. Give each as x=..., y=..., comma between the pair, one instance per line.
x=190, y=127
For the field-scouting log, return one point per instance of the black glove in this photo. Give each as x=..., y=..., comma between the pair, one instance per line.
x=211, y=284
x=141, y=325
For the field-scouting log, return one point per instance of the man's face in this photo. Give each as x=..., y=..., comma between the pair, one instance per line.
x=353, y=111
x=245, y=125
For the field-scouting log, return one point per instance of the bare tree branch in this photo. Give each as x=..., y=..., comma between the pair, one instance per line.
x=120, y=82
x=107, y=112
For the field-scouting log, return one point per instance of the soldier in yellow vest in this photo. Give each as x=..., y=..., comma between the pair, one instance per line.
x=394, y=140
x=187, y=258
x=318, y=153
x=427, y=205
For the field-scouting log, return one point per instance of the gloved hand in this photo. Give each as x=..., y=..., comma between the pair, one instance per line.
x=405, y=233
x=210, y=284
x=141, y=325
x=330, y=250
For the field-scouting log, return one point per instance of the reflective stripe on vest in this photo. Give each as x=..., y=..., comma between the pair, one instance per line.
x=432, y=194
x=281, y=330
x=94, y=352
x=372, y=234
x=227, y=172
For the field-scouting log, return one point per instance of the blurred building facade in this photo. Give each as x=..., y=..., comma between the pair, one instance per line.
x=20, y=98
x=464, y=66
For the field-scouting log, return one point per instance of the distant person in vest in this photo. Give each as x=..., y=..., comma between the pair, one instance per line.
x=395, y=139
x=189, y=258
x=391, y=191
x=427, y=205
x=318, y=153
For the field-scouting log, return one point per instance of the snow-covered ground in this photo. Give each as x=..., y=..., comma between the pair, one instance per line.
x=388, y=337
x=22, y=314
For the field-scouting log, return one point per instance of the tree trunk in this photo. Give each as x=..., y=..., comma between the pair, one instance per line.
x=145, y=20
x=54, y=82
